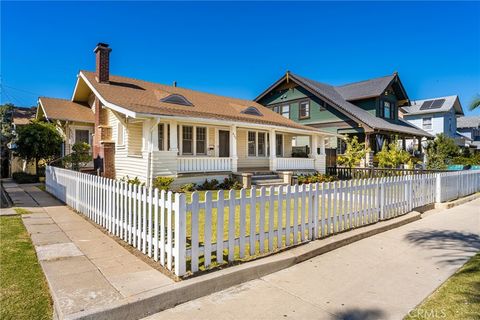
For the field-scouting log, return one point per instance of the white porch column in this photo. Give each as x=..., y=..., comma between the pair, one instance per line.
x=233, y=148
x=154, y=133
x=173, y=136
x=273, y=150
x=313, y=146
x=320, y=158
x=322, y=145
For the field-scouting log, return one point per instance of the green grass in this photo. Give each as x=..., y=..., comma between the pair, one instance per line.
x=21, y=211
x=458, y=298
x=42, y=187
x=23, y=290
x=248, y=217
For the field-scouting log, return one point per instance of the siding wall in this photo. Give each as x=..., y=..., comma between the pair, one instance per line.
x=133, y=165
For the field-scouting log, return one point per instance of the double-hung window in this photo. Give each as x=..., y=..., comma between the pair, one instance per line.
x=252, y=143
x=279, y=145
x=427, y=123
x=387, y=109
x=285, y=111
x=261, y=144
x=82, y=136
x=201, y=140
x=187, y=140
x=304, y=110
x=161, y=137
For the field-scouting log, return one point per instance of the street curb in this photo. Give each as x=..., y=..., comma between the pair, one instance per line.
x=167, y=297
x=457, y=202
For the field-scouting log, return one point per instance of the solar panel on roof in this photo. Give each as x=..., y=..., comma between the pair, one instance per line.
x=432, y=104
x=437, y=103
x=426, y=104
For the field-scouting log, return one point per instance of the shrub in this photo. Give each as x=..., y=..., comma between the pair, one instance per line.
x=23, y=177
x=134, y=181
x=316, y=177
x=441, y=151
x=392, y=156
x=230, y=183
x=79, y=157
x=209, y=185
x=354, y=153
x=162, y=183
x=189, y=187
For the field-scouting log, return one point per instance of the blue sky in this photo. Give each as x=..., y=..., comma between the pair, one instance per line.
x=239, y=49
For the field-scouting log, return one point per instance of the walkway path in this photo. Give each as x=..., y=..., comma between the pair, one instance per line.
x=381, y=277
x=84, y=267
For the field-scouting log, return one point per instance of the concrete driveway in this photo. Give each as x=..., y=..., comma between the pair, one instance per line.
x=381, y=277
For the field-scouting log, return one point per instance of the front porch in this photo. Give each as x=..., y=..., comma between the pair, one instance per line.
x=182, y=148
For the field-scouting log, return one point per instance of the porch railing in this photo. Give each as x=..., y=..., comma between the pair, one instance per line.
x=204, y=164
x=295, y=164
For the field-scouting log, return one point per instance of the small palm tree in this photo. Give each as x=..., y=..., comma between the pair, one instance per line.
x=475, y=103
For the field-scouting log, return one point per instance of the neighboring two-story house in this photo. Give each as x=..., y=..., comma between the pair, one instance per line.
x=435, y=116
x=367, y=109
x=470, y=128
x=144, y=129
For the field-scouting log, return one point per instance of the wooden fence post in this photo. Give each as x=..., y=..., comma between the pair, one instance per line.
x=438, y=190
x=382, y=200
x=180, y=234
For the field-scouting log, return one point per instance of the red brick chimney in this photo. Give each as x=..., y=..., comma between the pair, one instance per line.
x=102, y=71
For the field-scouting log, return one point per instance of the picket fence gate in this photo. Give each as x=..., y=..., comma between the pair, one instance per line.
x=188, y=235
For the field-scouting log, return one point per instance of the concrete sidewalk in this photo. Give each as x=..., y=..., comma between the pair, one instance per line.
x=381, y=277
x=85, y=268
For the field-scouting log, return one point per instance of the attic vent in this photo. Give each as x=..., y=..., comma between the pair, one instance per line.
x=252, y=111
x=177, y=99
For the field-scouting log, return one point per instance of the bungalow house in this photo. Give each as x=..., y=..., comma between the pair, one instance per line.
x=469, y=127
x=74, y=121
x=435, y=116
x=144, y=129
x=367, y=109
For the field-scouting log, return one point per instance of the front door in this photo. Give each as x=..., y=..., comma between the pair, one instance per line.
x=224, y=143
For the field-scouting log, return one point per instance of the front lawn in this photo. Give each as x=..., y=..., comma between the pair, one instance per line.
x=23, y=289
x=458, y=298
x=341, y=207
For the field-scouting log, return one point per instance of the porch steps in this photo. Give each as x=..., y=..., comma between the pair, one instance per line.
x=266, y=179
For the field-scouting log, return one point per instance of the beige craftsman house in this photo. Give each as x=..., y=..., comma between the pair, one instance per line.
x=144, y=129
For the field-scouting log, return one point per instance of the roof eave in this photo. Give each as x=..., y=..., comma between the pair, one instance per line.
x=106, y=103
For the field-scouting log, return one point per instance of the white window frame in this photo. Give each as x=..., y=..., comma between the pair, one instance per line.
x=73, y=137
x=266, y=142
x=424, y=127
x=206, y=141
x=282, y=111
x=305, y=102
x=194, y=140
x=283, y=145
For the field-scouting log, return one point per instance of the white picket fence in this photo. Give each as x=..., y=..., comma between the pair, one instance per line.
x=453, y=185
x=188, y=235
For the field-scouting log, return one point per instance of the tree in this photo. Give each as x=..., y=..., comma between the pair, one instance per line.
x=36, y=141
x=392, y=156
x=441, y=151
x=354, y=153
x=475, y=103
x=6, y=129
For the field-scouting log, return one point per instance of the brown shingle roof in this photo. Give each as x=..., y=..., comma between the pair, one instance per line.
x=61, y=109
x=22, y=116
x=144, y=97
